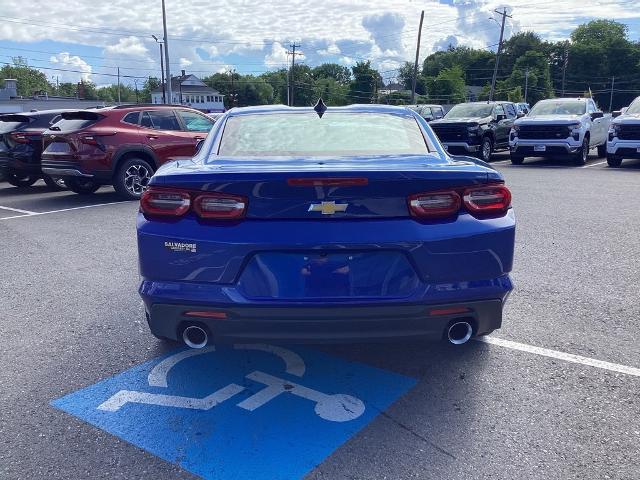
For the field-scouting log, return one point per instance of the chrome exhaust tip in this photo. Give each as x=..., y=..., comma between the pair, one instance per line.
x=195, y=336
x=459, y=333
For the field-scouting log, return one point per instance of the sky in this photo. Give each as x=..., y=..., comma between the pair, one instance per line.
x=82, y=39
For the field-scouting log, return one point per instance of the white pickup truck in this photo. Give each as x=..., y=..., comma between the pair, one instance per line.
x=624, y=135
x=560, y=127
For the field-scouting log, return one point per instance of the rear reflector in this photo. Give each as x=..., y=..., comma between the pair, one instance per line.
x=23, y=137
x=219, y=206
x=448, y=311
x=169, y=203
x=327, y=182
x=206, y=314
x=434, y=204
x=487, y=199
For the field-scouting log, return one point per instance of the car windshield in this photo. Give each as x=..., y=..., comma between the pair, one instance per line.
x=475, y=110
x=559, y=107
x=335, y=134
x=634, y=108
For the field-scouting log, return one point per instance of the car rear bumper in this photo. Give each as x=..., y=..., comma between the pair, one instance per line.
x=326, y=324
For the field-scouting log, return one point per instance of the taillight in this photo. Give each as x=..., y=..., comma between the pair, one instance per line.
x=219, y=206
x=89, y=140
x=21, y=137
x=165, y=202
x=480, y=201
x=168, y=202
x=487, y=199
x=434, y=204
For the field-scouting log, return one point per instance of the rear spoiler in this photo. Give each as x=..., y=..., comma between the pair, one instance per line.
x=15, y=118
x=81, y=115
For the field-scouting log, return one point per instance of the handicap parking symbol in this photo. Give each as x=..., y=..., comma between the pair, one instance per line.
x=243, y=411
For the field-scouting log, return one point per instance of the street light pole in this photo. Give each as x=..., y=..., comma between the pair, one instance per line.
x=166, y=53
x=164, y=97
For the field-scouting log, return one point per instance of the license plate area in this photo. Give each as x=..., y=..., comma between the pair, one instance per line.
x=539, y=148
x=322, y=275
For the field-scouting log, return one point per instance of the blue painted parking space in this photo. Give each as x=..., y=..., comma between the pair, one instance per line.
x=244, y=411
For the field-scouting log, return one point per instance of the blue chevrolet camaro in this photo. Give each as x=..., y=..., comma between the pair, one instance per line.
x=324, y=224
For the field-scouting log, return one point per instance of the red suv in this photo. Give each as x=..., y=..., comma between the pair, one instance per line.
x=120, y=146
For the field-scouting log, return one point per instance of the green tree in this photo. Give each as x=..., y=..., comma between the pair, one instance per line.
x=475, y=64
x=331, y=91
x=365, y=83
x=278, y=80
x=539, y=82
x=29, y=79
x=149, y=85
x=447, y=87
x=339, y=73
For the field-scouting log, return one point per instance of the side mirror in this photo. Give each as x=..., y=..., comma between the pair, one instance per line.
x=199, y=146
x=595, y=115
x=428, y=119
x=500, y=117
x=616, y=113
x=520, y=114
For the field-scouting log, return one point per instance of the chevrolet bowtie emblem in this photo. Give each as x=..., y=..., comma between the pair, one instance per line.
x=328, y=208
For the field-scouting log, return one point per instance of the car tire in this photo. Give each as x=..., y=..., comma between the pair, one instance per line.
x=486, y=149
x=614, y=161
x=21, y=180
x=55, y=184
x=517, y=159
x=81, y=186
x=582, y=154
x=602, y=150
x=132, y=177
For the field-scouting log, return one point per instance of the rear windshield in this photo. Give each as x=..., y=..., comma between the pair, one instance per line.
x=335, y=134
x=473, y=110
x=9, y=123
x=72, y=121
x=559, y=107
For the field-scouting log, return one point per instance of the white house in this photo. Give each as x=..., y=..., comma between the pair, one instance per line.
x=191, y=91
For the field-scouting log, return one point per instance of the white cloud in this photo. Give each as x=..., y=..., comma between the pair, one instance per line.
x=185, y=62
x=64, y=61
x=277, y=57
x=332, y=49
x=128, y=47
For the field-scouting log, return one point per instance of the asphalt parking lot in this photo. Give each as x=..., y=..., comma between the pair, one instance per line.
x=553, y=394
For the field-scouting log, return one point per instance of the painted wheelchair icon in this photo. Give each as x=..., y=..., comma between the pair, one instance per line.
x=334, y=408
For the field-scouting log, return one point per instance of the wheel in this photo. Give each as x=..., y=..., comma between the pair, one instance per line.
x=614, y=160
x=82, y=186
x=132, y=178
x=583, y=153
x=21, y=180
x=517, y=159
x=602, y=150
x=486, y=149
x=55, y=184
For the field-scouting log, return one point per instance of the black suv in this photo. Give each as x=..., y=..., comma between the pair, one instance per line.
x=477, y=128
x=21, y=147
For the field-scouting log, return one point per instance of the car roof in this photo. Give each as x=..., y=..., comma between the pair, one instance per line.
x=357, y=108
x=566, y=99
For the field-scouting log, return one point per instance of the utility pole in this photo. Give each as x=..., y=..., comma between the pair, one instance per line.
x=565, y=62
x=164, y=97
x=526, y=84
x=613, y=81
x=166, y=54
x=495, y=68
x=135, y=82
x=118, y=84
x=293, y=54
x=415, y=65
x=233, y=88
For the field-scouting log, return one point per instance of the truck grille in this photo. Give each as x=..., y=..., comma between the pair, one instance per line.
x=629, y=132
x=450, y=133
x=544, y=132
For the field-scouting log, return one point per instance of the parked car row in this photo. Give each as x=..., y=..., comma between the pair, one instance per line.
x=84, y=149
x=558, y=127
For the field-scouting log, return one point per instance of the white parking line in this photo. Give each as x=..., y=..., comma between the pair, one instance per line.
x=567, y=357
x=594, y=164
x=27, y=212
x=37, y=214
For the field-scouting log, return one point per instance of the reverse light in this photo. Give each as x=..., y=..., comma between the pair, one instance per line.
x=219, y=206
x=165, y=202
x=432, y=205
x=487, y=200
